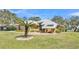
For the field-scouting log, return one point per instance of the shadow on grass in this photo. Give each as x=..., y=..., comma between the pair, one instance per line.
x=22, y=37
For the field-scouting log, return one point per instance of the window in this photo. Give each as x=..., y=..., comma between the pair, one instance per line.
x=50, y=25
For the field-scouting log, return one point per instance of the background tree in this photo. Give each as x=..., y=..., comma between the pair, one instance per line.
x=58, y=19
x=66, y=24
x=19, y=22
x=6, y=17
x=35, y=18
x=74, y=22
x=61, y=23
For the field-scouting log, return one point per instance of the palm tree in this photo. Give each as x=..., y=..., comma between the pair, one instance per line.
x=27, y=25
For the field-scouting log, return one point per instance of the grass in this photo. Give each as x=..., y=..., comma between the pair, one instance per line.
x=67, y=40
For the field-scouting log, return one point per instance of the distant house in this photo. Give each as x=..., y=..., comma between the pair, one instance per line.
x=6, y=27
x=48, y=26
x=34, y=26
x=33, y=22
x=3, y=26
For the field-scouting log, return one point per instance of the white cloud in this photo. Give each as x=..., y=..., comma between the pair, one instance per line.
x=19, y=11
x=74, y=14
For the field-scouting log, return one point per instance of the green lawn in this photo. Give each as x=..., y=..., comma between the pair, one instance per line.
x=60, y=40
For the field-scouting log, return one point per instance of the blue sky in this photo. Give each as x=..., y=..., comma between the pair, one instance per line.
x=45, y=13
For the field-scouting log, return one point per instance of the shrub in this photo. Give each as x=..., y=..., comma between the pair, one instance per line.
x=11, y=28
x=61, y=28
x=34, y=30
x=57, y=30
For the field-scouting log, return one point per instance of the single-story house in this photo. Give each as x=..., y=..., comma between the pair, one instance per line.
x=3, y=26
x=48, y=26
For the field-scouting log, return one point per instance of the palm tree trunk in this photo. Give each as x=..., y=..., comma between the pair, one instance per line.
x=75, y=29
x=26, y=30
x=19, y=28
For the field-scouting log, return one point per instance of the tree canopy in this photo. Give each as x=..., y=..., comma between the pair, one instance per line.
x=6, y=17
x=74, y=20
x=58, y=19
x=35, y=18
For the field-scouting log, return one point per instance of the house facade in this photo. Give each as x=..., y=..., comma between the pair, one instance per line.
x=48, y=26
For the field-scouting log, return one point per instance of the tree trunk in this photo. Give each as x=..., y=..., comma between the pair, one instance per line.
x=19, y=28
x=40, y=27
x=26, y=30
x=75, y=29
